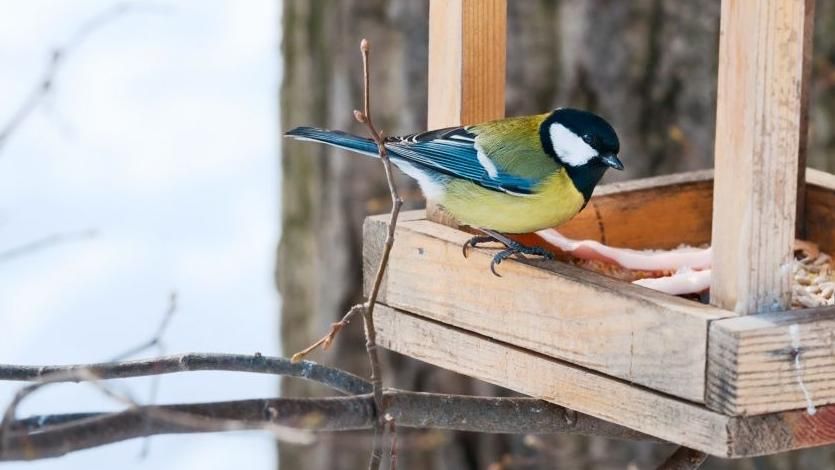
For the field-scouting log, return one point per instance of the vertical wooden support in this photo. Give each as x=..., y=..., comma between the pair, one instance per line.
x=467, y=47
x=758, y=139
x=806, y=84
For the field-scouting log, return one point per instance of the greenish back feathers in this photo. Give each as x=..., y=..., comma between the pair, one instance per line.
x=515, y=146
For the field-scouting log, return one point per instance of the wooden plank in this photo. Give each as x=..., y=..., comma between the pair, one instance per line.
x=559, y=310
x=820, y=209
x=467, y=49
x=757, y=142
x=679, y=205
x=595, y=394
x=551, y=380
x=467, y=42
x=772, y=362
x=780, y=432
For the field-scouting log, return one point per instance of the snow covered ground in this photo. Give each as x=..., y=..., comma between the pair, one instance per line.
x=161, y=136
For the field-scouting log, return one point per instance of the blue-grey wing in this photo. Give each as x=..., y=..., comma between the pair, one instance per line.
x=454, y=152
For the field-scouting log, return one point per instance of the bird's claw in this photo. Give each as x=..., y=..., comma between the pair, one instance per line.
x=511, y=248
x=500, y=256
x=474, y=241
x=517, y=248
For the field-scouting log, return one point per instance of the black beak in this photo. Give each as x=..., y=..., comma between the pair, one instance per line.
x=612, y=161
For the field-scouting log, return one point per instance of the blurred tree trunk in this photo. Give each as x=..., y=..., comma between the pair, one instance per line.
x=647, y=65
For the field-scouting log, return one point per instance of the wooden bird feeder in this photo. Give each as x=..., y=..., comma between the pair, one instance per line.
x=736, y=378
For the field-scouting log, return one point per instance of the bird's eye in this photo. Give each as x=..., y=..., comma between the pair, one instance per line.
x=587, y=139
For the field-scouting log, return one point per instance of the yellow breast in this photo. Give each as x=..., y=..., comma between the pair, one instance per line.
x=555, y=201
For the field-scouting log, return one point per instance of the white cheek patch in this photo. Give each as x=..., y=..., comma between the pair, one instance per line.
x=570, y=148
x=431, y=188
x=485, y=162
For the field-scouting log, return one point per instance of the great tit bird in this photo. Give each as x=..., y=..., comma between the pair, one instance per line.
x=509, y=176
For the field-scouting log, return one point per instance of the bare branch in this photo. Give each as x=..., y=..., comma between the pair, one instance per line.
x=156, y=339
x=156, y=342
x=684, y=459
x=51, y=436
x=364, y=117
x=334, y=378
x=282, y=433
x=367, y=310
x=368, y=313
x=45, y=242
x=57, y=58
x=325, y=341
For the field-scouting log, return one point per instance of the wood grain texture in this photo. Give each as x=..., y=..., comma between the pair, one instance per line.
x=759, y=104
x=467, y=41
x=551, y=380
x=679, y=206
x=780, y=432
x=467, y=55
x=751, y=367
x=756, y=364
x=559, y=310
x=597, y=395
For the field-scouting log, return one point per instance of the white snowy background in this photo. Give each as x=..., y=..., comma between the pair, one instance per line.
x=160, y=135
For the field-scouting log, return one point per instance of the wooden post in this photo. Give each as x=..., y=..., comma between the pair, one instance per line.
x=808, y=43
x=758, y=140
x=467, y=47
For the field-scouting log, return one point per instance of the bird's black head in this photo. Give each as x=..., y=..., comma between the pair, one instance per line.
x=584, y=143
x=578, y=138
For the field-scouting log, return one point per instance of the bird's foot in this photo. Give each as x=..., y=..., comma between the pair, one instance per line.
x=512, y=247
x=475, y=241
x=515, y=248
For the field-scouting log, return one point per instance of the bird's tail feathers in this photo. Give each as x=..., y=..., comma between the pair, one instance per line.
x=337, y=139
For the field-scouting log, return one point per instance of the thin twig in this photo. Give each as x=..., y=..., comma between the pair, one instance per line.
x=156, y=339
x=325, y=341
x=57, y=58
x=186, y=420
x=156, y=342
x=47, y=436
x=45, y=242
x=684, y=459
x=368, y=313
x=169, y=417
x=336, y=379
x=367, y=310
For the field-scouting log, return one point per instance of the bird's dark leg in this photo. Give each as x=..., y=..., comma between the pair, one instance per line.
x=512, y=247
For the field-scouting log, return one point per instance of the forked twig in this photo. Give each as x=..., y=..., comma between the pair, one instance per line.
x=368, y=313
x=367, y=309
x=156, y=339
x=174, y=417
x=156, y=342
x=325, y=341
x=45, y=436
x=57, y=58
